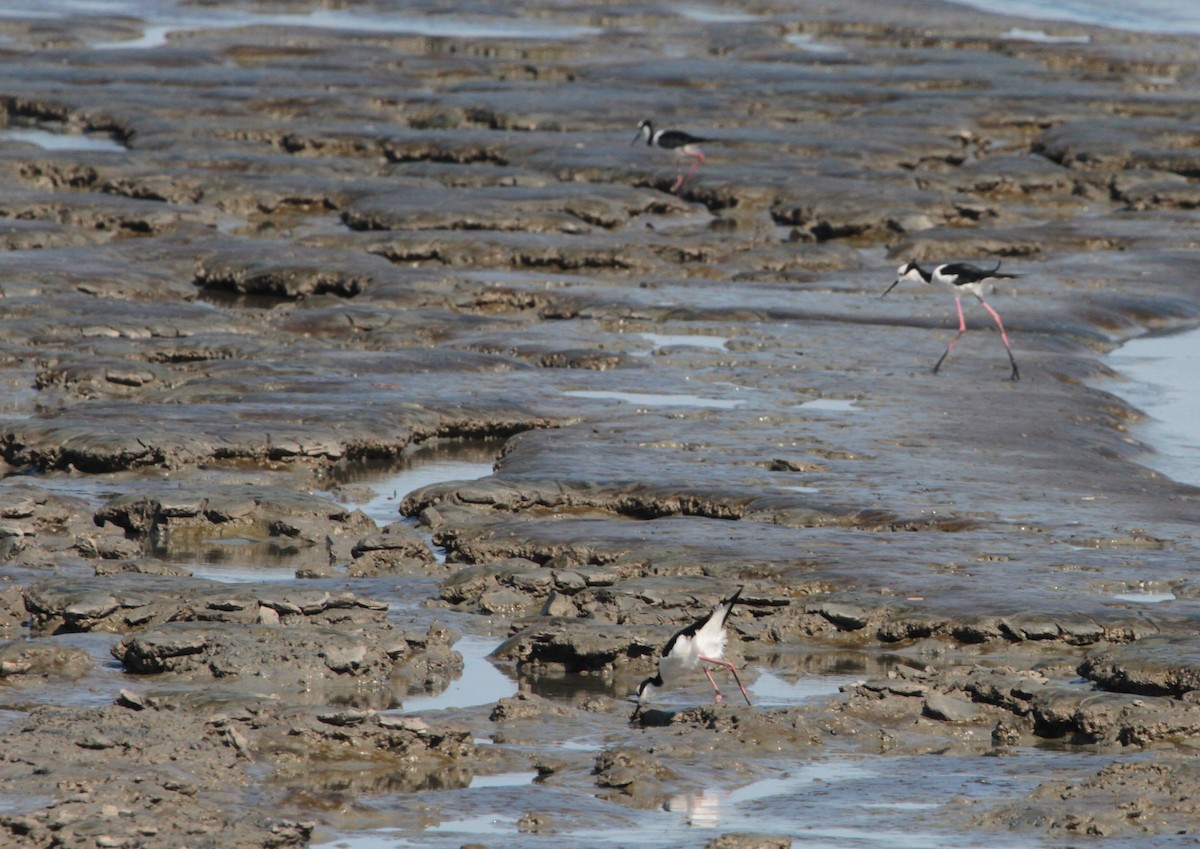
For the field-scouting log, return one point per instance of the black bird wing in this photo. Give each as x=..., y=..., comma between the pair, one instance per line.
x=690, y=631
x=965, y=273
x=672, y=139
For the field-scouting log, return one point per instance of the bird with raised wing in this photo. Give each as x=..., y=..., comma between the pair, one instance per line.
x=702, y=642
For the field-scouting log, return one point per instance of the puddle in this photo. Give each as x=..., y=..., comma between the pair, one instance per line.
x=506, y=779
x=808, y=44
x=840, y=803
x=712, y=15
x=1018, y=34
x=809, y=489
x=1145, y=598
x=714, y=808
x=1143, y=16
x=830, y=405
x=1164, y=374
x=391, y=481
x=48, y=140
x=93, y=490
x=481, y=683
x=237, y=559
x=683, y=340
x=384, y=507
x=483, y=824
x=770, y=690
x=233, y=574
x=161, y=20
x=646, y=399
x=97, y=688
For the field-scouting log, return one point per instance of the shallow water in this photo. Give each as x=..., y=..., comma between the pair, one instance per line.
x=771, y=690
x=836, y=802
x=48, y=140
x=1164, y=381
x=1169, y=16
x=648, y=399
x=162, y=18
x=97, y=688
x=682, y=340
x=830, y=405
x=233, y=573
x=392, y=485
x=1145, y=598
x=481, y=683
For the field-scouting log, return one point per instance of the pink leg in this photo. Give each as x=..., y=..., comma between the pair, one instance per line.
x=697, y=160
x=1016, y=375
x=716, y=689
x=732, y=669
x=962, y=328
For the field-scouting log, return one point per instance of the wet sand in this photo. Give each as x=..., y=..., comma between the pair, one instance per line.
x=374, y=411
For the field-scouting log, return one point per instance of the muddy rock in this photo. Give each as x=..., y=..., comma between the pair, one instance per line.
x=131, y=600
x=277, y=512
x=1160, y=666
x=629, y=773
x=524, y=706
x=396, y=549
x=113, y=775
x=740, y=840
x=575, y=646
x=275, y=654
x=1118, y=800
x=294, y=273
x=253, y=263
x=470, y=586
x=12, y=611
x=280, y=655
x=375, y=753
x=1019, y=704
x=24, y=661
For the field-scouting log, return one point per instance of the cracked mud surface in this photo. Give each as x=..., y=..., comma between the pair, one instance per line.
x=314, y=257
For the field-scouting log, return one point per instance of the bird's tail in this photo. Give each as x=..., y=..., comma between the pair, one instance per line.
x=730, y=602
x=996, y=272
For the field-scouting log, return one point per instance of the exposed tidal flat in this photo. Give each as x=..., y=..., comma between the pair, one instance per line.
x=373, y=411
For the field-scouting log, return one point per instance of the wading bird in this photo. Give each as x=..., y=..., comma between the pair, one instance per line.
x=702, y=642
x=677, y=142
x=959, y=277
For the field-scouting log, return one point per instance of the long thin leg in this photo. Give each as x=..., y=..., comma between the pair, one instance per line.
x=680, y=177
x=732, y=669
x=962, y=328
x=716, y=689
x=1016, y=375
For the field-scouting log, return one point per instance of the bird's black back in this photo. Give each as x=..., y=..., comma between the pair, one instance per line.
x=967, y=273
x=678, y=138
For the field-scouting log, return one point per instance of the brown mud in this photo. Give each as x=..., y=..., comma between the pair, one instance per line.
x=321, y=257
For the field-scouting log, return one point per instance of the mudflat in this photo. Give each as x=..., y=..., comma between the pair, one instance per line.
x=342, y=348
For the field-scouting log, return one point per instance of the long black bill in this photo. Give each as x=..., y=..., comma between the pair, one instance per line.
x=890, y=288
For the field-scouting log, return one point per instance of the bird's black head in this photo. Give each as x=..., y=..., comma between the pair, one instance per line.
x=645, y=130
x=909, y=271
x=646, y=689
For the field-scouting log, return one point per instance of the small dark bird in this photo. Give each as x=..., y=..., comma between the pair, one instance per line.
x=959, y=277
x=701, y=642
x=677, y=142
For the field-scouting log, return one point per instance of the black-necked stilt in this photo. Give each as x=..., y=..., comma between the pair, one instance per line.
x=701, y=642
x=959, y=277
x=677, y=142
